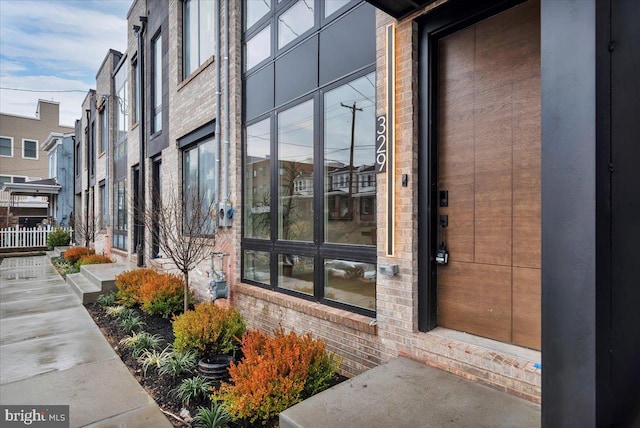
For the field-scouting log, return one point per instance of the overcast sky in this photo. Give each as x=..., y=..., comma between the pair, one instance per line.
x=56, y=45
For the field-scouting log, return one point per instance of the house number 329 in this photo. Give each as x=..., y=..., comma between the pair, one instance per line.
x=381, y=143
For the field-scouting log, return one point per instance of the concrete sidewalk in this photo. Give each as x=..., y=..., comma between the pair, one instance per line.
x=51, y=352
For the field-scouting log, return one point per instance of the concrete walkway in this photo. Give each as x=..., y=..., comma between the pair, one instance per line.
x=53, y=353
x=408, y=394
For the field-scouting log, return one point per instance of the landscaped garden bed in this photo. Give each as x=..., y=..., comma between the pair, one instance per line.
x=162, y=348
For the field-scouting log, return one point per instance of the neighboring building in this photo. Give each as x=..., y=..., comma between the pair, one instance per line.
x=22, y=160
x=59, y=148
x=453, y=181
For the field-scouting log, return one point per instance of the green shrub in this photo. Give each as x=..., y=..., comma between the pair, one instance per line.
x=178, y=363
x=129, y=284
x=209, y=330
x=154, y=358
x=140, y=342
x=276, y=373
x=192, y=388
x=64, y=267
x=58, y=238
x=131, y=324
x=214, y=417
x=108, y=299
x=120, y=312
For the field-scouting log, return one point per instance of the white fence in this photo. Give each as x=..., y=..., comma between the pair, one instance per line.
x=17, y=237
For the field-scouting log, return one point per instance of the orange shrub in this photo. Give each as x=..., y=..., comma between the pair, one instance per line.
x=276, y=373
x=129, y=284
x=73, y=254
x=162, y=294
x=94, y=259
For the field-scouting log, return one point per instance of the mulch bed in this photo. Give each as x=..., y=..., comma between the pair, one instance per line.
x=159, y=387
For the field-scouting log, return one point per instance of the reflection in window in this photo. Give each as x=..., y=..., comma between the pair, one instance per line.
x=295, y=273
x=120, y=214
x=122, y=111
x=199, y=183
x=257, y=266
x=258, y=48
x=350, y=187
x=257, y=186
x=295, y=21
x=199, y=37
x=157, y=84
x=330, y=6
x=349, y=282
x=295, y=160
x=255, y=9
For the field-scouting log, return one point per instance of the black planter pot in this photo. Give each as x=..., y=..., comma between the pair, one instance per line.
x=215, y=368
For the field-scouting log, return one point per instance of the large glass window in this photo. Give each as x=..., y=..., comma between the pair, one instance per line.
x=199, y=37
x=295, y=21
x=349, y=175
x=257, y=180
x=120, y=214
x=29, y=149
x=254, y=10
x=122, y=112
x=6, y=146
x=295, y=164
x=258, y=48
x=309, y=190
x=199, y=181
x=157, y=84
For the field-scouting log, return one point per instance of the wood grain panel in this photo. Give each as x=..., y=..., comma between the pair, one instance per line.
x=526, y=307
x=493, y=179
x=526, y=173
x=508, y=46
x=475, y=298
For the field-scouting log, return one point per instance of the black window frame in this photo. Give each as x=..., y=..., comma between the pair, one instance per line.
x=317, y=248
x=186, y=72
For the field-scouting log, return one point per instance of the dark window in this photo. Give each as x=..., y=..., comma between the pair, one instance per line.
x=199, y=36
x=78, y=159
x=198, y=181
x=104, y=130
x=6, y=146
x=120, y=214
x=156, y=51
x=19, y=179
x=102, y=194
x=29, y=149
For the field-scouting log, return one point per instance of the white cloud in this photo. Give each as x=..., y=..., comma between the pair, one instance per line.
x=56, y=45
x=25, y=103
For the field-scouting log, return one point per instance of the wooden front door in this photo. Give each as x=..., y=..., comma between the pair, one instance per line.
x=489, y=163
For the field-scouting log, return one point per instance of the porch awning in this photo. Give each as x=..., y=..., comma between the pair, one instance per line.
x=400, y=8
x=33, y=188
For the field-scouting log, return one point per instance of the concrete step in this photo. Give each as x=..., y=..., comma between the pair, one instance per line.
x=86, y=290
x=94, y=280
x=406, y=393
